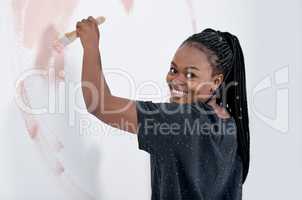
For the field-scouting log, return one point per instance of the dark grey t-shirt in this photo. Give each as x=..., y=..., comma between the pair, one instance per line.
x=193, y=152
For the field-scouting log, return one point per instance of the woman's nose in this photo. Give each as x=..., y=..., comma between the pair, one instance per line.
x=180, y=79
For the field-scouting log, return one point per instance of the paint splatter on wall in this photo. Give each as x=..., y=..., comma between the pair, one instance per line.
x=128, y=5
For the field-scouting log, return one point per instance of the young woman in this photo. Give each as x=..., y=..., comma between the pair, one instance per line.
x=199, y=141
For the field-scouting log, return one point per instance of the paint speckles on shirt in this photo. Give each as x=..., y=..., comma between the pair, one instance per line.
x=194, y=159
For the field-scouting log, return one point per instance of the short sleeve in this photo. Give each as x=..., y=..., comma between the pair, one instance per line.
x=157, y=125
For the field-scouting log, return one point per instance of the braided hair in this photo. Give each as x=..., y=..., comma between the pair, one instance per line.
x=225, y=55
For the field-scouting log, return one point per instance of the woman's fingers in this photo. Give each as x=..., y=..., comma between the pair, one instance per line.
x=87, y=28
x=78, y=24
x=89, y=20
x=92, y=19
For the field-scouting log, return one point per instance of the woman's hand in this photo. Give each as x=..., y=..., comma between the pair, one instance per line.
x=88, y=31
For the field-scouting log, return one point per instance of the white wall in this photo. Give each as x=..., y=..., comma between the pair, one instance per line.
x=100, y=162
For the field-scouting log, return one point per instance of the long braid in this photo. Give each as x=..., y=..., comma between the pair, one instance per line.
x=225, y=54
x=238, y=101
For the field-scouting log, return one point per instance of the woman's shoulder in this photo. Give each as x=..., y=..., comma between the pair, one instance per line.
x=164, y=107
x=196, y=110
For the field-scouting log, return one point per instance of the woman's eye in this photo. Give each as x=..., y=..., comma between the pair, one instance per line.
x=190, y=75
x=172, y=70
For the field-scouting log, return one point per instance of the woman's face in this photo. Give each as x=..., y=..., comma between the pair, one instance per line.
x=190, y=76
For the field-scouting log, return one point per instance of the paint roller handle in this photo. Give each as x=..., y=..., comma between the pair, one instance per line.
x=100, y=20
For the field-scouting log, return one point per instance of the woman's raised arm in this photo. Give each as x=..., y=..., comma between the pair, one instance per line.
x=112, y=110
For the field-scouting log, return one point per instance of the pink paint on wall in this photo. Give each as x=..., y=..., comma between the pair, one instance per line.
x=46, y=56
x=192, y=15
x=37, y=24
x=128, y=5
x=32, y=17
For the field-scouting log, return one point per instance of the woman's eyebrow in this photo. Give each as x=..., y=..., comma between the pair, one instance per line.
x=189, y=67
x=193, y=67
x=173, y=63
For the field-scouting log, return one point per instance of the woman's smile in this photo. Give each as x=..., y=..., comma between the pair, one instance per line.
x=178, y=91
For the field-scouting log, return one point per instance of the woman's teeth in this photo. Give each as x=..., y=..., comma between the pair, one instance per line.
x=178, y=93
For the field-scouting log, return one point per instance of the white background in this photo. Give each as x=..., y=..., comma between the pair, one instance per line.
x=106, y=163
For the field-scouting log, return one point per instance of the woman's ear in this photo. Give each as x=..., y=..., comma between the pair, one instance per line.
x=217, y=80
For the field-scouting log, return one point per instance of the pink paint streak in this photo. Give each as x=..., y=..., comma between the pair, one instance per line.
x=128, y=5
x=59, y=169
x=38, y=15
x=38, y=23
x=192, y=15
